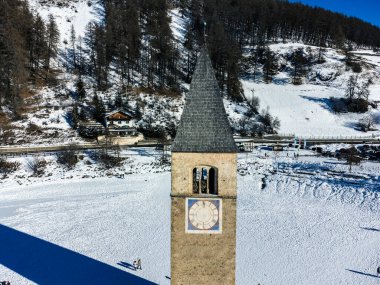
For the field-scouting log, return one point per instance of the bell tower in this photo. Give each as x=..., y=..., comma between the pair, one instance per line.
x=203, y=194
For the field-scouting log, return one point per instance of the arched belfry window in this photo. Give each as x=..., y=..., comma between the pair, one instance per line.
x=205, y=180
x=196, y=179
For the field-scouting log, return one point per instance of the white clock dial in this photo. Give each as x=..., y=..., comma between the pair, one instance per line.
x=203, y=215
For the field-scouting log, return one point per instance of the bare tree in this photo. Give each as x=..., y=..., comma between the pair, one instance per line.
x=352, y=87
x=367, y=123
x=352, y=157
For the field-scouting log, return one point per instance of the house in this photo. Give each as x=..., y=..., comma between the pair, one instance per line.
x=119, y=119
x=120, y=128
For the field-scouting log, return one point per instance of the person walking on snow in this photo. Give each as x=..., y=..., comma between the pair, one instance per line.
x=139, y=264
x=378, y=271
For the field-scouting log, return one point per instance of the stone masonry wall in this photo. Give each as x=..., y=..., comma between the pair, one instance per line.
x=203, y=258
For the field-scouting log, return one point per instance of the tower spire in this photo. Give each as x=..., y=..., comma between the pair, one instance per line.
x=204, y=126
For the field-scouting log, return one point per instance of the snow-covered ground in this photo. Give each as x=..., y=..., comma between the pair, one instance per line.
x=300, y=221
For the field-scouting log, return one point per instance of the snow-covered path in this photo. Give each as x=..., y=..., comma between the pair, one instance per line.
x=293, y=231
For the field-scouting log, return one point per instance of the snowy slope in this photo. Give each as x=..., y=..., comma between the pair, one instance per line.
x=305, y=110
x=77, y=13
x=311, y=223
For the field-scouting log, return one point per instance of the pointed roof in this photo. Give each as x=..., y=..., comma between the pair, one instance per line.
x=125, y=112
x=204, y=125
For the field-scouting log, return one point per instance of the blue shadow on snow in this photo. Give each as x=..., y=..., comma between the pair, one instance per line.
x=325, y=103
x=370, y=229
x=363, y=273
x=46, y=263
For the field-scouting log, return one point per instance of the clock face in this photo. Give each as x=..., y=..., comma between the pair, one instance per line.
x=203, y=215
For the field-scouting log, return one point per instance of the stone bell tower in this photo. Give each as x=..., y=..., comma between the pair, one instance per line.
x=203, y=194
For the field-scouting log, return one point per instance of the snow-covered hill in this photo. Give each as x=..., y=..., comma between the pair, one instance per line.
x=303, y=110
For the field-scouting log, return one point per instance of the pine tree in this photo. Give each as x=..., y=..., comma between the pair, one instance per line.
x=233, y=85
x=137, y=111
x=98, y=109
x=81, y=92
x=39, y=32
x=73, y=45
x=81, y=58
x=299, y=62
x=118, y=101
x=321, y=58
x=82, y=114
x=75, y=117
x=270, y=65
x=52, y=40
x=257, y=57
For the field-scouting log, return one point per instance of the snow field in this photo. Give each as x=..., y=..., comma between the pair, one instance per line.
x=297, y=223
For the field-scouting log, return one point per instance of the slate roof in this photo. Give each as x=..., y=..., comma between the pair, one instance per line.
x=204, y=125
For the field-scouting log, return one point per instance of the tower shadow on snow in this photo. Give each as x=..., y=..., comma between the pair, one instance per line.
x=43, y=262
x=363, y=273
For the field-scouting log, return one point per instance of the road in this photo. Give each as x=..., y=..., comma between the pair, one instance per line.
x=248, y=141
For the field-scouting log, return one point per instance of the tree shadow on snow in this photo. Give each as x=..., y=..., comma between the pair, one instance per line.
x=325, y=103
x=352, y=125
x=142, y=152
x=363, y=273
x=46, y=263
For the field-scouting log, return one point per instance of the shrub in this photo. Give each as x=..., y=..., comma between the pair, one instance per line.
x=7, y=137
x=37, y=166
x=271, y=124
x=33, y=128
x=106, y=160
x=89, y=132
x=356, y=67
x=67, y=158
x=8, y=167
x=151, y=131
x=357, y=105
